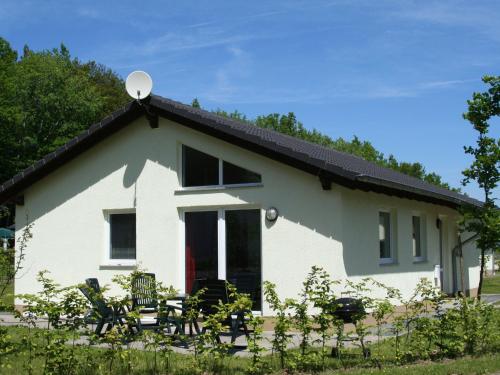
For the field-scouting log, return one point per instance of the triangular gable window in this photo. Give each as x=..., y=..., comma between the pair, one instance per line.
x=200, y=169
x=232, y=174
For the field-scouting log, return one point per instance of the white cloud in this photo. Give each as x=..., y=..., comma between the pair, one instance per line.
x=471, y=14
x=444, y=84
x=198, y=39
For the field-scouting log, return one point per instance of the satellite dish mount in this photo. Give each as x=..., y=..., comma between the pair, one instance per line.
x=139, y=85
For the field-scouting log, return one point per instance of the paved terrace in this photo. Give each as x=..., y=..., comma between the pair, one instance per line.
x=7, y=319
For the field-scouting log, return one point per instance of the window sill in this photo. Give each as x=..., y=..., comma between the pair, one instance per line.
x=388, y=262
x=118, y=266
x=419, y=260
x=200, y=189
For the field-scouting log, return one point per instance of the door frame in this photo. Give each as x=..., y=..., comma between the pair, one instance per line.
x=221, y=239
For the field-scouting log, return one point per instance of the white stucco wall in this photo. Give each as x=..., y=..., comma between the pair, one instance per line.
x=137, y=168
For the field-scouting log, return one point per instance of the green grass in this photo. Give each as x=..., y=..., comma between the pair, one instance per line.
x=180, y=364
x=491, y=285
x=487, y=364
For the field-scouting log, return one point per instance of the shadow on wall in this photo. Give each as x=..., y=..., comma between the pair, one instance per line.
x=80, y=175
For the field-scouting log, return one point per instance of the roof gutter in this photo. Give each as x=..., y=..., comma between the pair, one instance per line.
x=396, y=187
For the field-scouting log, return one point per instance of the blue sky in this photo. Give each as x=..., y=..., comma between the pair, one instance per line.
x=396, y=73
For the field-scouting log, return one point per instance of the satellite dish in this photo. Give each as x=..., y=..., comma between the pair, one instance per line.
x=139, y=84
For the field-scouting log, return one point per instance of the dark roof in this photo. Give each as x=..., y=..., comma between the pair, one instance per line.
x=328, y=164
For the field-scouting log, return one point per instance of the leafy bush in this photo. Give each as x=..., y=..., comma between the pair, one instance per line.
x=427, y=325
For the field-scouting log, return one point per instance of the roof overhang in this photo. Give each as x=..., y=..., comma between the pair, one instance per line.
x=215, y=126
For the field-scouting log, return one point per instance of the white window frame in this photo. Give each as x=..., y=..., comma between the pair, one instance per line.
x=220, y=184
x=107, y=261
x=392, y=236
x=221, y=243
x=423, y=237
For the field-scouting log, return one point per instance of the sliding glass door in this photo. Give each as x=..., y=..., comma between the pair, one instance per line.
x=243, y=252
x=225, y=244
x=201, y=246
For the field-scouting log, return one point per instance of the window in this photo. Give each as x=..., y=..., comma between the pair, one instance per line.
x=225, y=244
x=417, y=247
x=418, y=237
x=122, y=234
x=200, y=169
x=384, y=234
x=232, y=174
x=243, y=248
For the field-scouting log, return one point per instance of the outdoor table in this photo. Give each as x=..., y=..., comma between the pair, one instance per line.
x=181, y=298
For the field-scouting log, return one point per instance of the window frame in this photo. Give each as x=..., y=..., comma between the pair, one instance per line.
x=220, y=185
x=392, y=237
x=423, y=237
x=390, y=259
x=221, y=243
x=107, y=260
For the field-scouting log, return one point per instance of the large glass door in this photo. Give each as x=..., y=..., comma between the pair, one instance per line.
x=201, y=246
x=243, y=252
x=225, y=244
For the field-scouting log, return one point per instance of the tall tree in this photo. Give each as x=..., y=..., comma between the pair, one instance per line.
x=46, y=98
x=484, y=221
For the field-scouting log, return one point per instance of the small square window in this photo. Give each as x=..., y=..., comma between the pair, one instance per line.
x=123, y=236
x=384, y=233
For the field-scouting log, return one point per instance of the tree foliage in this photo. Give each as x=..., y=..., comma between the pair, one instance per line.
x=46, y=98
x=289, y=125
x=484, y=221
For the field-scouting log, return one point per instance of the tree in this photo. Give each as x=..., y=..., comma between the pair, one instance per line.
x=484, y=221
x=195, y=103
x=47, y=98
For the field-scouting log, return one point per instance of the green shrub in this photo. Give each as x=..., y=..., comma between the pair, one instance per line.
x=431, y=326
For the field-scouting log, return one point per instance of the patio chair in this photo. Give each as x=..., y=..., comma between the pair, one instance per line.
x=145, y=301
x=101, y=313
x=215, y=291
x=144, y=296
x=248, y=283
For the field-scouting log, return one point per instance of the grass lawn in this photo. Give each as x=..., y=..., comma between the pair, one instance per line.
x=180, y=364
x=491, y=284
x=487, y=364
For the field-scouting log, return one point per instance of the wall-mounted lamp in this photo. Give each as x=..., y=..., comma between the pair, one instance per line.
x=272, y=214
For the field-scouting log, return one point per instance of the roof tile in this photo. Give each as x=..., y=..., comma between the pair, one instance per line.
x=336, y=162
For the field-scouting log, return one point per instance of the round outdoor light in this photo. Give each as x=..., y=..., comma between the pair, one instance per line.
x=272, y=213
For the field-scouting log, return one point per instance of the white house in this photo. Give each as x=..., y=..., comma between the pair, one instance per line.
x=185, y=193
x=491, y=266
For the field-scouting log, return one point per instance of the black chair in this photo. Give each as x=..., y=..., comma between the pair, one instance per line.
x=101, y=313
x=215, y=291
x=248, y=283
x=144, y=296
x=145, y=301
